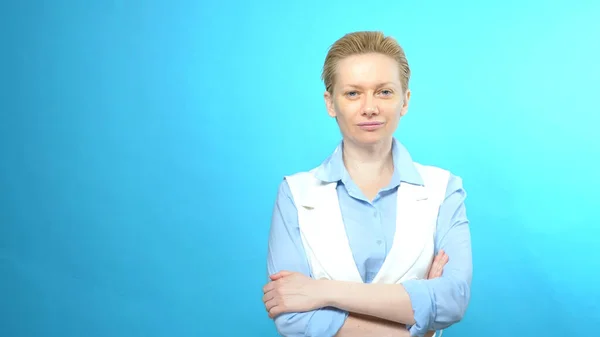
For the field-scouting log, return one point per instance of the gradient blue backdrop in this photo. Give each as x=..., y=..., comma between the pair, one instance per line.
x=142, y=143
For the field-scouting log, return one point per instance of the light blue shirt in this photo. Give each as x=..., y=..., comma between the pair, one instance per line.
x=370, y=227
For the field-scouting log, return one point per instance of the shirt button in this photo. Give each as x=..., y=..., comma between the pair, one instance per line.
x=379, y=242
x=375, y=214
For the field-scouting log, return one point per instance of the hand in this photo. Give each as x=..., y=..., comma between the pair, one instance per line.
x=292, y=292
x=437, y=267
x=435, y=271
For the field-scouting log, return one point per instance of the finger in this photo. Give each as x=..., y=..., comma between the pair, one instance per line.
x=439, y=268
x=280, y=274
x=268, y=287
x=439, y=256
x=442, y=262
x=432, y=269
x=276, y=310
x=268, y=296
x=285, y=273
x=435, y=271
x=438, y=265
x=270, y=304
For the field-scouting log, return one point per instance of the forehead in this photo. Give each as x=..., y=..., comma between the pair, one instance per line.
x=366, y=70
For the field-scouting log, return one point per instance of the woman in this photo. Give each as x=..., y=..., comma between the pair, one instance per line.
x=352, y=242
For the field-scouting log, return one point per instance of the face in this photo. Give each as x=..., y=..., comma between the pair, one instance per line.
x=367, y=98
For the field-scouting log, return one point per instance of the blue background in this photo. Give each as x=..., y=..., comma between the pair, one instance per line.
x=142, y=143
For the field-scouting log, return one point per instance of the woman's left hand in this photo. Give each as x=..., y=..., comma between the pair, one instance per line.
x=292, y=292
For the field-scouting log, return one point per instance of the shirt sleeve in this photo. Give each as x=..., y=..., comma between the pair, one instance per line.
x=286, y=252
x=441, y=302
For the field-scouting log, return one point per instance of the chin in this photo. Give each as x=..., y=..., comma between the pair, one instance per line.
x=370, y=138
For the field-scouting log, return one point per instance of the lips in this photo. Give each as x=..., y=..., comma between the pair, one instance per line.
x=370, y=123
x=370, y=126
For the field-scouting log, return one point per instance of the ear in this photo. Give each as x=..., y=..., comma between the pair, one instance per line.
x=329, y=104
x=405, y=102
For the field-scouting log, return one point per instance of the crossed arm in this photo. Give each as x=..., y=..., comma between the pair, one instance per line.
x=290, y=292
x=335, y=308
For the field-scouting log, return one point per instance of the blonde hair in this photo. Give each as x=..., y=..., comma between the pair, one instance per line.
x=364, y=42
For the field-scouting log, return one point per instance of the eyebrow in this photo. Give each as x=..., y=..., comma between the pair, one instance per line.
x=378, y=86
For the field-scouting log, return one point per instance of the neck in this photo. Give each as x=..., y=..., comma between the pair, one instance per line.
x=368, y=162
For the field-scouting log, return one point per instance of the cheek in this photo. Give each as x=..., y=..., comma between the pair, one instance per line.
x=347, y=110
x=393, y=110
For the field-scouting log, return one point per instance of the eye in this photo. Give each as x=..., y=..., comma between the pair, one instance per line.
x=386, y=92
x=351, y=94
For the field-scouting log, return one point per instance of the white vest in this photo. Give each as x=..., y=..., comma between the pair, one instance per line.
x=324, y=236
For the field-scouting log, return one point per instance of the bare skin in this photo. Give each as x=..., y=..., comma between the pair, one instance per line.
x=295, y=292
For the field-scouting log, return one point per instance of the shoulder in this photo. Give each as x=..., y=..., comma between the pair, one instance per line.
x=303, y=177
x=294, y=186
x=302, y=185
x=440, y=178
x=433, y=175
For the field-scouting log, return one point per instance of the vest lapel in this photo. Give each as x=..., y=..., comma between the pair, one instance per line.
x=324, y=233
x=413, y=222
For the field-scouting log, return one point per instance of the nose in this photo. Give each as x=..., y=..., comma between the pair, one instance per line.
x=370, y=108
x=371, y=111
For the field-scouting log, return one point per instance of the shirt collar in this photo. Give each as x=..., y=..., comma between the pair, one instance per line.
x=333, y=168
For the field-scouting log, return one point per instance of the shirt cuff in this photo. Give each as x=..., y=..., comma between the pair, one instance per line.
x=422, y=305
x=326, y=322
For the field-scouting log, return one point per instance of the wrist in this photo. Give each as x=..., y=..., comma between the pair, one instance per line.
x=327, y=291
x=334, y=292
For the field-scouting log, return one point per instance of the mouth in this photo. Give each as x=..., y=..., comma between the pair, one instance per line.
x=370, y=126
x=369, y=123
